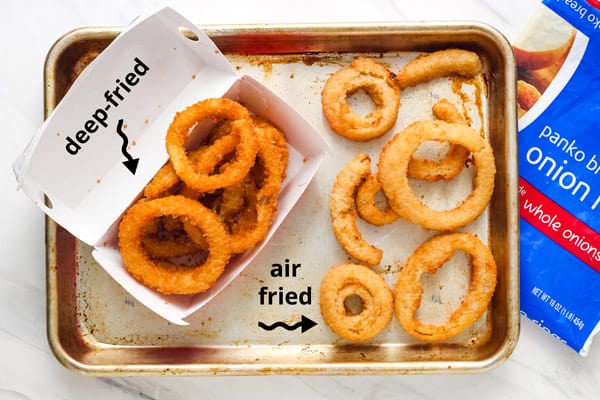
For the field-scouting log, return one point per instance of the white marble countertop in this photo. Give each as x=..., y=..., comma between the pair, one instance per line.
x=540, y=367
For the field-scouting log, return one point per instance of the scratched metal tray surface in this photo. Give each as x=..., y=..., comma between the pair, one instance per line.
x=268, y=320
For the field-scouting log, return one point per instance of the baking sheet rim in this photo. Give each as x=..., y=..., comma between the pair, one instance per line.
x=504, y=350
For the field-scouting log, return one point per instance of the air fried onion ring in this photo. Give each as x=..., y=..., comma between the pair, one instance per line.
x=456, y=157
x=440, y=63
x=420, y=168
x=430, y=256
x=377, y=81
x=162, y=275
x=446, y=111
x=344, y=281
x=343, y=211
x=393, y=174
x=366, y=206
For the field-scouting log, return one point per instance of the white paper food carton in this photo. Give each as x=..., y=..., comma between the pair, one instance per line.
x=106, y=140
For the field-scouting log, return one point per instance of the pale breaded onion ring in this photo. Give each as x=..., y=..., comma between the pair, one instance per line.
x=343, y=211
x=454, y=160
x=165, y=276
x=215, y=109
x=440, y=63
x=365, y=203
x=393, y=174
x=430, y=256
x=344, y=281
x=377, y=81
x=419, y=168
x=446, y=111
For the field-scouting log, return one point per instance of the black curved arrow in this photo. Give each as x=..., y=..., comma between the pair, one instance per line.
x=131, y=163
x=306, y=323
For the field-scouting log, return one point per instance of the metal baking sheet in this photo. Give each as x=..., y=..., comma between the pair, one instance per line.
x=96, y=328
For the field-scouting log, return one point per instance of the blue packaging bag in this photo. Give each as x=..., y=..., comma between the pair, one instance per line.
x=559, y=162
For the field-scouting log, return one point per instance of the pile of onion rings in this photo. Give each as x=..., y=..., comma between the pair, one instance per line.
x=392, y=178
x=354, y=192
x=209, y=202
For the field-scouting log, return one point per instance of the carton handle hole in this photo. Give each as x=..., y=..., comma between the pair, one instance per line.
x=48, y=203
x=188, y=34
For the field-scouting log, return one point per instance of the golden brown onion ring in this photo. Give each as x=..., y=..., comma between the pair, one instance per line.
x=393, y=174
x=430, y=256
x=232, y=200
x=454, y=161
x=273, y=157
x=347, y=280
x=438, y=64
x=206, y=159
x=165, y=276
x=169, y=248
x=343, y=211
x=217, y=110
x=245, y=219
x=377, y=81
x=165, y=238
x=274, y=160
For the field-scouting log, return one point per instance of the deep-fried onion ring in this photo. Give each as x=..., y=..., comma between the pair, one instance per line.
x=393, y=174
x=377, y=81
x=343, y=211
x=205, y=159
x=165, y=276
x=169, y=248
x=216, y=109
x=165, y=238
x=430, y=256
x=344, y=281
x=456, y=157
x=274, y=158
x=438, y=64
